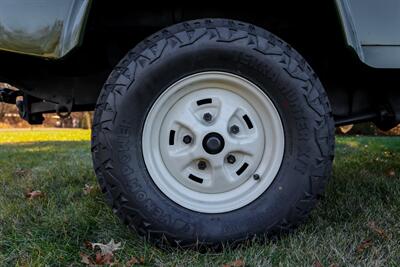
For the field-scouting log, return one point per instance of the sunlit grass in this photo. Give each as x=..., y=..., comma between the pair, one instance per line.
x=43, y=135
x=50, y=231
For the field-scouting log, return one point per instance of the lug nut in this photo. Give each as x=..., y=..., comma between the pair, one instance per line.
x=207, y=117
x=202, y=165
x=187, y=139
x=256, y=177
x=231, y=159
x=234, y=129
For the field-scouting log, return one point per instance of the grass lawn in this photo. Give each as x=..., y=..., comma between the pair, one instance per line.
x=357, y=223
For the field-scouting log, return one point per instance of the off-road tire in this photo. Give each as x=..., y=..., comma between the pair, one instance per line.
x=217, y=45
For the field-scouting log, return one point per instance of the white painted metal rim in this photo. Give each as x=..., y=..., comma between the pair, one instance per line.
x=179, y=112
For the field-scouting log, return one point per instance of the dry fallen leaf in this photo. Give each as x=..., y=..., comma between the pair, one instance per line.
x=107, y=248
x=317, y=263
x=391, y=173
x=88, y=189
x=132, y=262
x=236, y=263
x=364, y=245
x=33, y=194
x=88, y=244
x=377, y=230
x=104, y=259
x=85, y=259
x=21, y=172
x=135, y=261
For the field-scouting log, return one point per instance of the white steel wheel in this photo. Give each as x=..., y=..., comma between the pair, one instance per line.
x=213, y=142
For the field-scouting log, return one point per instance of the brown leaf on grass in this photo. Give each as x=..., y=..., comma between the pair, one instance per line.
x=135, y=261
x=19, y=172
x=85, y=259
x=132, y=261
x=317, y=263
x=107, y=248
x=377, y=230
x=391, y=173
x=236, y=263
x=88, y=244
x=88, y=189
x=104, y=259
x=33, y=194
x=364, y=245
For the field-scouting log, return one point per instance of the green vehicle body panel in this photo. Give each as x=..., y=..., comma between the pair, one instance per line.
x=44, y=28
x=372, y=29
x=52, y=28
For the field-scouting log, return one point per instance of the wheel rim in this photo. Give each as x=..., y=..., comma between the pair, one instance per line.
x=213, y=142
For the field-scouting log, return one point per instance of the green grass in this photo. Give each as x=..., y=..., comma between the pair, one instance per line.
x=42, y=135
x=51, y=230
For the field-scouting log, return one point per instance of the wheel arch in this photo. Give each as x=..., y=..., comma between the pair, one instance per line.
x=313, y=29
x=372, y=35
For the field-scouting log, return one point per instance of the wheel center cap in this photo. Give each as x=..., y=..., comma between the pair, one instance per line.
x=213, y=143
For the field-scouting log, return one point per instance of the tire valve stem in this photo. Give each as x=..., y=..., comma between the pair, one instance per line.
x=256, y=177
